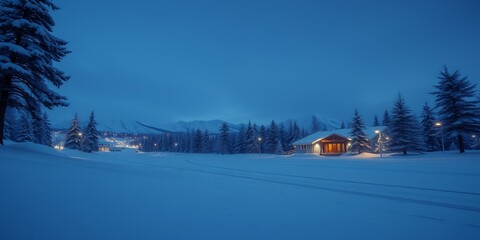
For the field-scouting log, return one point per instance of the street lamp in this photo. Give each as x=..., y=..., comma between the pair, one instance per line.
x=259, y=145
x=439, y=124
x=379, y=141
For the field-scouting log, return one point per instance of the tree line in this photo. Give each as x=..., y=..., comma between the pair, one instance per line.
x=249, y=138
x=452, y=124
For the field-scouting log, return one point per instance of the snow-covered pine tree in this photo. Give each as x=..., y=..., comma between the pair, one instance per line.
x=282, y=137
x=342, y=125
x=207, y=146
x=405, y=134
x=38, y=128
x=271, y=140
x=224, y=140
x=360, y=142
x=47, y=130
x=27, y=53
x=376, y=123
x=261, y=139
x=386, y=119
x=90, y=135
x=74, y=135
x=11, y=123
x=294, y=134
x=315, y=125
x=458, y=109
x=197, y=141
x=250, y=144
x=25, y=132
x=430, y=132
x=240, y=140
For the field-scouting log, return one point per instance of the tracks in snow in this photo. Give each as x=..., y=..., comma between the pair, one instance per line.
x=319, y=184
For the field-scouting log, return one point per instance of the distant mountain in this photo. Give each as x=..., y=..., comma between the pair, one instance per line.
x=324, y=123
x=140, y=127
x=212, y=126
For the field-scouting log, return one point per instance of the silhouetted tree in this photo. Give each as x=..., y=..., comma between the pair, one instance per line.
x=404, y=129
x=360, y=142
x=27, y=53
x=457, y=106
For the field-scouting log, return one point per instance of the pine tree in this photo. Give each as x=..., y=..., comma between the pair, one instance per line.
x=11, y=120
x=39, y=129
x=386, y=119
x=250, y=144
x=261, y=139
x=404, y=131
x=457, y=106
x=48, y=130
x=240, y=143
x=271, y=140
x=360, y=142
x=224, y=146
x=90, y=135
x=198, y=141
x=27, y=53
x=282, y=137
x=74, y=135
x=294, y=134
x=430, y=133
x=25, y=132
x=342, y=125
x=315, y=126
x=376, y=123
x=207, y=143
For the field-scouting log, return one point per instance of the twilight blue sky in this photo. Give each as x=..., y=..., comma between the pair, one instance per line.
x=163, y=61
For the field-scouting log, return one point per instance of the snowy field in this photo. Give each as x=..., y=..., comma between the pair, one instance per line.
x=45, y=194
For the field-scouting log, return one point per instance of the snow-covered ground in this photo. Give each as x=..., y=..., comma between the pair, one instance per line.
x=45, y=194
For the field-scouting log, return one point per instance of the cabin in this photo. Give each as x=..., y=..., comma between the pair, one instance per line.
x=334, y=142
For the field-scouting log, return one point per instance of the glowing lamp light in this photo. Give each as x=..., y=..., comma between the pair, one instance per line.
x=438, y=124
x=377, y=131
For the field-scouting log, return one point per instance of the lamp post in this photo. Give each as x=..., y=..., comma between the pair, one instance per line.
x=379, y=141
x=259, y=145
x=439, y=124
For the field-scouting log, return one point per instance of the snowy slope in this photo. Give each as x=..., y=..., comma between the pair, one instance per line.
x=127, y=195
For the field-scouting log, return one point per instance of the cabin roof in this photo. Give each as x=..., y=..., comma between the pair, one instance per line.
x=346, y=133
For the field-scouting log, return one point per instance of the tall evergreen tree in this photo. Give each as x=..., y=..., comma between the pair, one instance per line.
x=90, y=135
x=376, y=123
x=271, y=140
x=261, y=139
x=386, y=119
x=294, y=134
x=42, y=133
x=457, y=106
x=250, y=144
x=360, y=142
x=25, y=132
x=342, y=125
x=48, y=130
x=404, y=129
x=74, y=135
x=224, y=146
x=198, y=141
x=11, y=126
x=315, y=125
x=27, y=53
x=430, y=132
x=207, y=143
